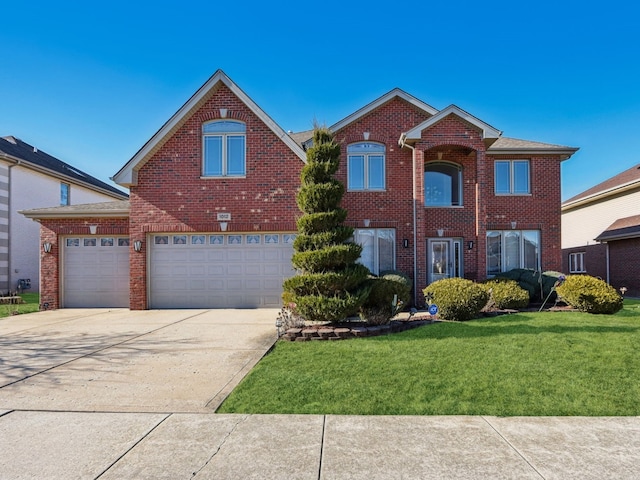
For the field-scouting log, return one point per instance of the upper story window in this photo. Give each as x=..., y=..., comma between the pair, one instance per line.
x=512, y=177
x=224, y=148
x=365, y=166
x=64, y=193
x=442, y=184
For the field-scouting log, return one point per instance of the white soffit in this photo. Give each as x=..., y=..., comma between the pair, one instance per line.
x=127, y=175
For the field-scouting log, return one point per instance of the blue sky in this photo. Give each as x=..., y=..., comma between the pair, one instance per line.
x=90, y=82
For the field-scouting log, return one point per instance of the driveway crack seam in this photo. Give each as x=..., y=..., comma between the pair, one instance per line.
x=520, y=454
x=224, y=440
x=99, y=350
x=324, y=423
x=132, y=447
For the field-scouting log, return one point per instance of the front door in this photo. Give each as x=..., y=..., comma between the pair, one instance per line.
x=444, y=259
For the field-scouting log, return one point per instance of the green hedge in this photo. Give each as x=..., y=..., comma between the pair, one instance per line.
x=378, y=309
x=590, y=294
x=457, y=298
x=506, y=294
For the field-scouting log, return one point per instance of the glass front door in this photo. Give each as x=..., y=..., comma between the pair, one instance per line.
x=444, y=259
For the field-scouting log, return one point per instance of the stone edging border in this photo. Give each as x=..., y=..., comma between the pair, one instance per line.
x=345, y=331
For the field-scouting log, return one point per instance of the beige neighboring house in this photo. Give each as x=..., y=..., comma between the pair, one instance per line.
x=31, y=178
x=601, y=231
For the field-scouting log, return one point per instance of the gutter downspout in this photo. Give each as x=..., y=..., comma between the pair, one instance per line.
x=402, y=144
x=607, y=257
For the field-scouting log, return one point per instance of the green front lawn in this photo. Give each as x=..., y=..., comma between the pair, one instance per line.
x=32, y=304
x=550, y=363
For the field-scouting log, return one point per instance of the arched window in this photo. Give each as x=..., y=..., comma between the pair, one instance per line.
x=365, y=166
x=442, y=184
x=224, y=148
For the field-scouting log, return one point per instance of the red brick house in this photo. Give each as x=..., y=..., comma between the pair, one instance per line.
x=601, y=231
x=212, y=212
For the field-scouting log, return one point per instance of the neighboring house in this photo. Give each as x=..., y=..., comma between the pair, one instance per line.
x=212, y=213
x=601, y=231
x=30, y=178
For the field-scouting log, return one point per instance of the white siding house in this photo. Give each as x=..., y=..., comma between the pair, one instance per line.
x=30, y=178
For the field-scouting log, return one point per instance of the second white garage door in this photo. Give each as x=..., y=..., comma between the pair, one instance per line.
x=219, y=271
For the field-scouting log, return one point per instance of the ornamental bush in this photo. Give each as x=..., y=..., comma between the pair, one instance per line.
x=589, y=294
x=457, y=298
x=379, y=307
x=506, y=294
x=330, y=286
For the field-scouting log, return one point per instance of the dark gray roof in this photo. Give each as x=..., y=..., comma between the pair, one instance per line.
x=627, y=178
x=623, y=228
x=16, y=149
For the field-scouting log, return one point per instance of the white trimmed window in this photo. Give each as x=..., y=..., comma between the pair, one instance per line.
x=512, y=177
x=65, y=189
x=576, y=262
x=378, y=248
x=509, y=249
x=224, y=149
x=442, y=184
x=366, y=166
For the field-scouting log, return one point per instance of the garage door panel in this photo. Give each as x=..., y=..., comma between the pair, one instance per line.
x=238, y=271
x=95, y=276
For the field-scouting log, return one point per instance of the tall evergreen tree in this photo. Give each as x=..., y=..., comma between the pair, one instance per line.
x=330, y=285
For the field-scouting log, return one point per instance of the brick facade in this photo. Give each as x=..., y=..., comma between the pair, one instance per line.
x=171, y=195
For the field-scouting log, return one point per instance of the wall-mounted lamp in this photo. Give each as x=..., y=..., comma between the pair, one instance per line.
x=440, y=232
x=366, y=222
x=46, y=247
x=223, y=226
x=137, y=245
x=93, y=229
x=514, y=225
x=405, y=243
x=470, y=245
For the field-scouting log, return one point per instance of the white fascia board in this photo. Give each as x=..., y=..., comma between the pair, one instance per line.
x=38, y=215
x=487, y=130
x=396, y=92
x=127, y=176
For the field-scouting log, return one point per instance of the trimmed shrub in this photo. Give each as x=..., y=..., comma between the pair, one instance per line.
x=589, y=294
x=327, y=283
x=378, y=309
x=506, y=294
x=328, y=286
x=320, y=308
x=457, y=298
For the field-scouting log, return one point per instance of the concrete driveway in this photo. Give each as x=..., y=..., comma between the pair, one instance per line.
x=165, y=361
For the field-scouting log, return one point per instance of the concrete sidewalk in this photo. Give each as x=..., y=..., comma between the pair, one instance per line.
x=79, y=445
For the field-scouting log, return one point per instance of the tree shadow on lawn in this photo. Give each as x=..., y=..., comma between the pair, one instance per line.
x=504, y=325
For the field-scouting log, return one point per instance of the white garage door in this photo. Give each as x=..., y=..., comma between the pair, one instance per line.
x=96, y=272
x=219, y=270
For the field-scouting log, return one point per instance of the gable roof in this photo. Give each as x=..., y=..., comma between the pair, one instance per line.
x=627, y=180
x=128, y=174
x=621, y=229
x=396, y=92
x=15, y=150
x=489, y=133
x=513, y=146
